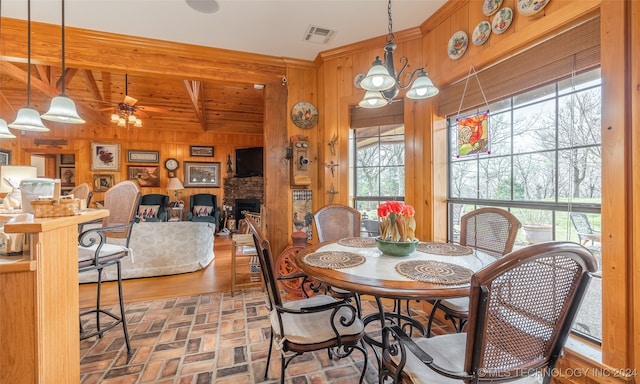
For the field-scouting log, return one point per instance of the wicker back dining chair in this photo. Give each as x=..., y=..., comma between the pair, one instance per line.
x=96, y=253
x=489, y=230
x=335, y=222
x=521, y=312
x=305, y=325
x=82, y=191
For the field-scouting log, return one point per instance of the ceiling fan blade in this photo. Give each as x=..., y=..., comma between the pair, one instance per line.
x=130, y=100
x=141, y=113
x=106, y=109
x=152, y=109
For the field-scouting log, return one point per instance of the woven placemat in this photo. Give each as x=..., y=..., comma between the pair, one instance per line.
x=437, y=272
x=358, y=242
x=333, y=259
x=443, y=249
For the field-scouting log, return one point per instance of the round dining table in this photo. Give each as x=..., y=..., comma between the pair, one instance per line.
x=434, y=271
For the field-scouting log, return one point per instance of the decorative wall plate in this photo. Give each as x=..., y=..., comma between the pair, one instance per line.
x=489, y=7
x=481, y=33
x=304, y=115
x=502, y=20
x=531, y=7
x=458, y=45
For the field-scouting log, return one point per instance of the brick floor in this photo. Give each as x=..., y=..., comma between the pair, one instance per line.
x=212, y=338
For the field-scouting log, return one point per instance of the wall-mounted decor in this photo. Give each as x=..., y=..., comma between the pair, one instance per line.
x=105, y=157
x=201, y=175
x=304, y=115
x=531, y=7
x=458, y=44
x=481, y=33
x=201, y=151
x=147, y=176
x=5, y=157
x=67, y=177
x=502, y=20
x=102, y=182
x=135, y=156
x=489, y=7
x=67, y=158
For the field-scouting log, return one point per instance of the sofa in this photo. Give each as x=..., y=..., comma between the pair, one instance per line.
x=163, y=248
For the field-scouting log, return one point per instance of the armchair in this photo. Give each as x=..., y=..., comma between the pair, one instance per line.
x=204, y=207
x=153, y=207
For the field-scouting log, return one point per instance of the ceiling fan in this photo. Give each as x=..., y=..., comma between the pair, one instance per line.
x=127, y=113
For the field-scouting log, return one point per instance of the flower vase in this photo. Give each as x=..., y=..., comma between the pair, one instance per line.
x=396, y=248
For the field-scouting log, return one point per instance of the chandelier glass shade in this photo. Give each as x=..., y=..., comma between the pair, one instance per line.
x=383, y=84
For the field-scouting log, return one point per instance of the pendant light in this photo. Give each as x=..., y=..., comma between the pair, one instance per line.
x=28, y=119
x=63, y=109
x=5, y=133
x=383, y=84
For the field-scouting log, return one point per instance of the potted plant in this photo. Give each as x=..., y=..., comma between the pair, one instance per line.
x=536, y=225
x=397, y=226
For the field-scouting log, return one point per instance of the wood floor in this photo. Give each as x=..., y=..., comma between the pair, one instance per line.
x=216, y=277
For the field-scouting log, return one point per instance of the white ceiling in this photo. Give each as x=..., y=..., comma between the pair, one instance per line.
x=270, y=27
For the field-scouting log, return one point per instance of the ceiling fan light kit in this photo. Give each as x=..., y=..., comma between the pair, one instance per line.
x=63, y=109
x=5, y=133
x=383, y=84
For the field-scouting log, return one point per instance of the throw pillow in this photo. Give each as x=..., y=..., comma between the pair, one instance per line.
x=202, y=210
x=148, y=211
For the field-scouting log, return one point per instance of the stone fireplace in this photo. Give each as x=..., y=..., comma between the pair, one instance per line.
x=243, y=194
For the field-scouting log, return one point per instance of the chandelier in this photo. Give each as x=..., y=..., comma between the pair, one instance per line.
x=124, y=116
x=383, y=84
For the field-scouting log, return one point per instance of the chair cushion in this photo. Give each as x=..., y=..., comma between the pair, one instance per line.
x=448, y=352
x=202, y=210
x=148, y=211
x=108, y=252
x=460, y=304
x=314, y=327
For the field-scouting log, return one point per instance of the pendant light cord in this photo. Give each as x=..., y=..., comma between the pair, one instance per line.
x=29, y=53
x=390, y=35
x=64, y=71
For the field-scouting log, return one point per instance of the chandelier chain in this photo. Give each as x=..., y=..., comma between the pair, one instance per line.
x=390, y=35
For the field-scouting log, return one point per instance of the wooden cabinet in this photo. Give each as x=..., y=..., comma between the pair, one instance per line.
x=39, y=323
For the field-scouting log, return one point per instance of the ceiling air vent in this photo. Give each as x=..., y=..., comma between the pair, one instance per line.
x=318, y=35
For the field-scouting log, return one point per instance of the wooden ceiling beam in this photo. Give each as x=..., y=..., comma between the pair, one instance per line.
x=193, y=89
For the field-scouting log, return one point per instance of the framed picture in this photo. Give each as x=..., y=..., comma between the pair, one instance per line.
x=5, y=157
x=105, y=157
x=102, y=182
x=201, y=151
x=135, y=156
x=67, y=176
x=67, y=158
x=201, y=175
x=147, y=176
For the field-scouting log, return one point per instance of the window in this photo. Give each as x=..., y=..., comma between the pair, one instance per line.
x=378, y=171
x=544, y=166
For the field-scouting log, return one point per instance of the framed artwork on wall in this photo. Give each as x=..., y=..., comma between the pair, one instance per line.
x=102, y=182
x=67, y=177
x=5, y=157
x=135, y=156
x=147, y=176
x=105, y=157
x=201, y=175
x=201, y=151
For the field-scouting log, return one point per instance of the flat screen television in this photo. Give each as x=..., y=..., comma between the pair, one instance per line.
x=249, y=162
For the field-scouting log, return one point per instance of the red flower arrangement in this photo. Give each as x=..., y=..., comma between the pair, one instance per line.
x=397, y=221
